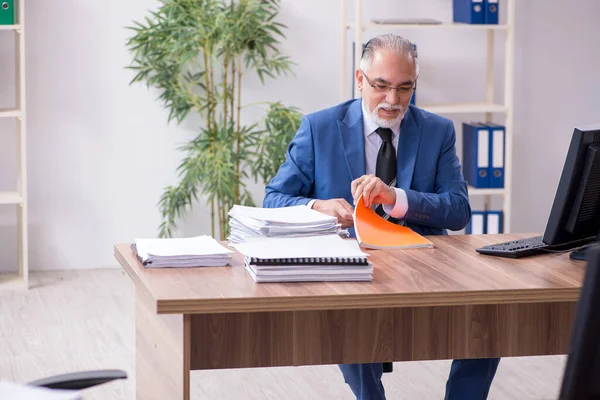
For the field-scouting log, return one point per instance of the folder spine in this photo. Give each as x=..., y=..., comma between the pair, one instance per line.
x=497, y=155
x=485, y=222
x=7, y=12
x=477, y=224
x=468, y=11
x=491, y=12
x=494, y=222
x=476, y=154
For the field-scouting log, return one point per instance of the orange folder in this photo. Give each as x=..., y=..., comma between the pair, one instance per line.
x=375, y=232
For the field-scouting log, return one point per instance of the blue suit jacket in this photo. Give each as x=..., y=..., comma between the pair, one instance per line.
x=328, y=152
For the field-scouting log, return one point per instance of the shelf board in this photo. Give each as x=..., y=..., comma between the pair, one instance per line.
x=485, y=192
x=464, y=108
x=445, y=25
x=10, y=113
x=10, y=198
x=10, y=27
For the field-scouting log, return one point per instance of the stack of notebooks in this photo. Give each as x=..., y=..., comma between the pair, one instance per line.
x=285, y=222
x=305, y=259
x=199, y=251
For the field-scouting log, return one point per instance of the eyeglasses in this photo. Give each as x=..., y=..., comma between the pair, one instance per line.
x=401, y=90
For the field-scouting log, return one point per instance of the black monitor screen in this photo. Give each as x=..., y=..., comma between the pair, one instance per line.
x=575, y=213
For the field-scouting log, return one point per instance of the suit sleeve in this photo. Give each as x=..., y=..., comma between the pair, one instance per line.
x=295, y=178
x=448, y=207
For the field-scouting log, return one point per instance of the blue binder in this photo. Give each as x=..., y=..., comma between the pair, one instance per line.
x=476, y=154
x=476, y=225
x=494, y=222
x=468, y=11
x=491, y=12
x=497, y=155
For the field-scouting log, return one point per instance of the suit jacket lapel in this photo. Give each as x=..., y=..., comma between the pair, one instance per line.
x=352, y=134
x=408, y=145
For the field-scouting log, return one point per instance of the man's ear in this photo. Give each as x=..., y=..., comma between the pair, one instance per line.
x=359, y=79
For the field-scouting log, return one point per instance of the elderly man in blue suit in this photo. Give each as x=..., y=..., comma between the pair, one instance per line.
x=402, y=160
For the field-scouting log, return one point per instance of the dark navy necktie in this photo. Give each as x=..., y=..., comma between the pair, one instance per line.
x=386, y=166
x=386, y=158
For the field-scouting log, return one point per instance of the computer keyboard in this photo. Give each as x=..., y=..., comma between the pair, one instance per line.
x=515, y=248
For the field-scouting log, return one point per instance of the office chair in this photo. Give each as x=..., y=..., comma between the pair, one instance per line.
x=580, y=379
x=79, y=380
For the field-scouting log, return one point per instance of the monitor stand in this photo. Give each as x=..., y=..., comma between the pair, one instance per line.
x=581, y=254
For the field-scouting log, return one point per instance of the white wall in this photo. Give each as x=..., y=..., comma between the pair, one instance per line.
x=557, y=88
x=100, y=151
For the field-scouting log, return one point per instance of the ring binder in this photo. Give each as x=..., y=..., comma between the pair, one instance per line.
x=306, y=261
x=7, y=12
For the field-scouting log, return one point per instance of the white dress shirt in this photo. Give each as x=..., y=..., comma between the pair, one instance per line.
x=372, y=143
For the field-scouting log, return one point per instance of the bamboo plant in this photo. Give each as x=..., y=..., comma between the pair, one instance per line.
x=196, y=54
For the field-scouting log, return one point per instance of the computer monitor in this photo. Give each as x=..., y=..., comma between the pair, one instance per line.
x=575, y=213
x=581, y=379
x=574, y=220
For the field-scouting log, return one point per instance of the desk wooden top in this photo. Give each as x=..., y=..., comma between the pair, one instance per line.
x=452, y=273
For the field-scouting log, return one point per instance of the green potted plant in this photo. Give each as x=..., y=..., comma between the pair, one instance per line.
x=196, y=54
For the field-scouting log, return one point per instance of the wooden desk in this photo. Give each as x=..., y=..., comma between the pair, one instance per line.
x=424, y=304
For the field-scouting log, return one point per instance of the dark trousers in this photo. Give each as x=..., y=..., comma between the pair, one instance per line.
x=468, y=380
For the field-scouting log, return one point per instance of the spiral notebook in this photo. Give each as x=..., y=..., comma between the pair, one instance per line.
x=312, y=258
x=307, y=261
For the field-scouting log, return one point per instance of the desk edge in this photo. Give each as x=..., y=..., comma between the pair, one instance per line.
x=358, y=301
x=139, y=285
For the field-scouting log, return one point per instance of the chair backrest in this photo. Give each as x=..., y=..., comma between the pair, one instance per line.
x=80, y=380
x=581, y=380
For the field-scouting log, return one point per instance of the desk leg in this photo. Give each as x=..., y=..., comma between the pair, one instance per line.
x=162, y=352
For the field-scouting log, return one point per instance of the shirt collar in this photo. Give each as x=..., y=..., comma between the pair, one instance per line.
x=371, y=126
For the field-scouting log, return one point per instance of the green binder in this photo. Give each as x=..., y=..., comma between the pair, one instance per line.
x=7, y=12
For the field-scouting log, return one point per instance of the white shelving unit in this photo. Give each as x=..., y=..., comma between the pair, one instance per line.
x=486, y=106
x=18, y=197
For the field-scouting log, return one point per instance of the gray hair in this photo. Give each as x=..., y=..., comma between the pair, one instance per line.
x=391, y=42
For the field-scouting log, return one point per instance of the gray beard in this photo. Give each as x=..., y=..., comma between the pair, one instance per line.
x=386, y=123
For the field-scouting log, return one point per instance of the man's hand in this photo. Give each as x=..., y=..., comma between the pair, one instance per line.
x=373, y=190
x=336, y=208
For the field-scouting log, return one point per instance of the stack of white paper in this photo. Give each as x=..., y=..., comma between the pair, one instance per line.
x=305, y=259
x=295, y=221
x=199, y=251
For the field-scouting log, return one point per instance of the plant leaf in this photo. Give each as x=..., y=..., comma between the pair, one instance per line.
x=178, y=51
